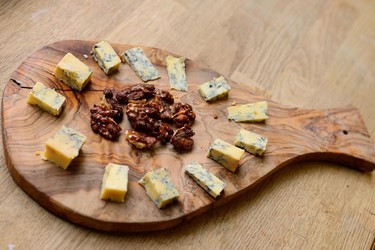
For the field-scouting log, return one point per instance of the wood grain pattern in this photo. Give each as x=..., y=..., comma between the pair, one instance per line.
x=295, y=135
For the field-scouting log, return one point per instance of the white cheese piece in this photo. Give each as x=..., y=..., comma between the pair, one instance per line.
x=251, y=112
x=159, y=187
x=106, y=57
x=176, y=73
x=214, y=89
x=115, y=182
x=46, y=98
x=251, y=142
x=209, y=182
x=226, y=154
x=141, y=65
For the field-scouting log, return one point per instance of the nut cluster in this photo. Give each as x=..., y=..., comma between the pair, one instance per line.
x=151, y=112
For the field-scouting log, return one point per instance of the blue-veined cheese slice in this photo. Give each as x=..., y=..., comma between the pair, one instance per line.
x=115, y=182
x=176, y=73
x=106, y=57
x=226, y=154
x=251, y=112
x=251, y=142
x=141, y=65
x=209, y=182
x=159, y=187
x=46, y=98
x=73, y=72
x=215, y=89
x=63, y=146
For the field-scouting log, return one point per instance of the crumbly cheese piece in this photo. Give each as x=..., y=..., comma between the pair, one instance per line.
x=176, y=73
x=159, y=187
x=63, y=147
x=115, y=182
x=141, y=65
x=46, y=98
x=73, y=72
x=251, y=112
x=226, y=154
x=214, y=89
x=251, y=142
x=106, y=57
x=209, y=182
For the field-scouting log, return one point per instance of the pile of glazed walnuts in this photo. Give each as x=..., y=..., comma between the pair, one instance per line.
x=152, y=113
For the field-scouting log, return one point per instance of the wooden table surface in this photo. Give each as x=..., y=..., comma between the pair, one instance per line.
x=312, y=54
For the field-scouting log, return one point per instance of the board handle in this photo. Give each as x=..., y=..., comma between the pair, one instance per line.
x=341, y=137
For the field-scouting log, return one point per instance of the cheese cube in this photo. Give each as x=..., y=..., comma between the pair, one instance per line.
x=206, y=180
x=115, y=182
x=46, y=98
x=176, y=73
x=73, y=72
x=226, y=154
x=251, y=112
x=141, y=65
x=106, y=57
x=63, y=147
x=214, y=89
x=251, y=142
x=159, y=187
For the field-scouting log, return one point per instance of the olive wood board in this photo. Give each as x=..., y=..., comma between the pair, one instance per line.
x=294, y=134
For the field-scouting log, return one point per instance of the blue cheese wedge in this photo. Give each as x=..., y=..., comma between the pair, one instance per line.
x=226, y=154
x=106, y=57
x=176, y=73
x=159, y=187
x=73, y=72
x=115, y=182
x=215, y=89
x=141, y=65
x=63, y=147
x=251, y=112
x=209, y=182
x=251, y=142
x=46, y=98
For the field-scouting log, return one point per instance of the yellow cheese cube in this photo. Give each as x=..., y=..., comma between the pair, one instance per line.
x=176, y=73
x=106, y=57
x=214, y=89
x=209, y=182
x=226, y=154
x=63, y=147
x=73, y=72
x=159, y=187
x=115, y=182
x=251, y=142
x=46, y=98
x=251, y=112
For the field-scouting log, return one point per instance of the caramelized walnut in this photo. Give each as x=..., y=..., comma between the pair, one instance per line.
x=140, y=140
x=103, y=123
x=182, y=114
x=136, y=92
x=181, y=139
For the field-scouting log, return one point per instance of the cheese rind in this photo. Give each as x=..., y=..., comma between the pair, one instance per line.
x=63, y=147
x=176, y=73
x=214, y=89
x=159, y=187
x=251, y=142
x=115, y=182
x=209, y=182
x=46, y=98
x=251, y=112
x=141, y=65
x=106, y=57
x=226, y=154
x=73, y=72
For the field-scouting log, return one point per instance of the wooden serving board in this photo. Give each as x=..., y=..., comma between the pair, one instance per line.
x=336, y=135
